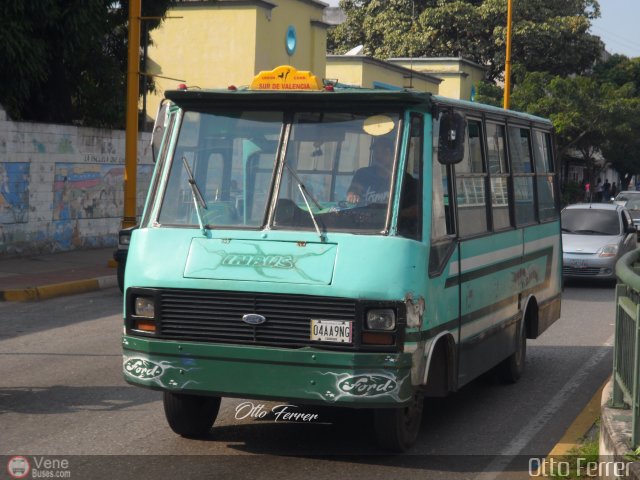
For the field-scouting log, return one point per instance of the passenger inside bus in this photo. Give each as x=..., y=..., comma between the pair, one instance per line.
x=372, y=184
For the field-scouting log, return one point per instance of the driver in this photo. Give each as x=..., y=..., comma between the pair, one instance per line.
x=371, y=184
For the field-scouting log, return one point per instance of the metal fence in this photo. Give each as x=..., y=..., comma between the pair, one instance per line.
x=626, y=354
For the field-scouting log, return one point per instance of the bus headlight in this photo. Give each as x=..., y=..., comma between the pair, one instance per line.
x=144, y=307
x=381, y=319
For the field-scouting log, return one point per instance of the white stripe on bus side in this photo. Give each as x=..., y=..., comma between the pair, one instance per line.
x=503, y=254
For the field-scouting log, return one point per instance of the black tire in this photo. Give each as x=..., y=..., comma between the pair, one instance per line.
x=190, y=416
x=511, y=369
x=397, y=429
x=120, y=275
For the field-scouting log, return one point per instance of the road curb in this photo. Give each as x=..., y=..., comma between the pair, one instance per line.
x=580, y=426
x=58, y=289
x=615, y=435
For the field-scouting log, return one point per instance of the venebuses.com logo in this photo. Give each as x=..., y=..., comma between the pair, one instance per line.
x=18, y=467
x=38, y=467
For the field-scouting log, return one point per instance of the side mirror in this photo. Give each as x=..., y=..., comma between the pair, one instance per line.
x=632, y=229
x=451, y=138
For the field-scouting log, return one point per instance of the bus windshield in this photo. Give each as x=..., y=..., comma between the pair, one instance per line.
x=335, y=174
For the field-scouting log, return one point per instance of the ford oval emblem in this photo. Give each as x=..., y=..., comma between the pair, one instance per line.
x=253, y=319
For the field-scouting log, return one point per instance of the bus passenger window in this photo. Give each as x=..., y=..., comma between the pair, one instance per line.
x=520, y=154
x=547, y=201
x=470, y=182
x=497, y=160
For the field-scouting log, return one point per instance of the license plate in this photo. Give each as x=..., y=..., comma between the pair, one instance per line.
x=578, y=263
x=338, y=331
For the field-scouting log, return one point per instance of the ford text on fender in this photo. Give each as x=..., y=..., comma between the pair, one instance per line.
x=338, y=246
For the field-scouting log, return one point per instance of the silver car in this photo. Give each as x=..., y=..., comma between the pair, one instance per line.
x=630, y=199
x=594, y=237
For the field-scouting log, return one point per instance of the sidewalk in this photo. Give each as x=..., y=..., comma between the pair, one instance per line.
x=36, y=277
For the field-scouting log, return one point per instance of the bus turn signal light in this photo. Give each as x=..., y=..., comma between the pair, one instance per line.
x=145, y=325
x=375, y=338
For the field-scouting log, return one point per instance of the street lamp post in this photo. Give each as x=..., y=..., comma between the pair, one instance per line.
x=131, y=138
x=507, y=63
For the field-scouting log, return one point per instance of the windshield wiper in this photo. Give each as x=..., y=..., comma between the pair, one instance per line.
x=313, y=217
x=567, y=230
x=306, y=194
x=196, y=194
x=302, y=186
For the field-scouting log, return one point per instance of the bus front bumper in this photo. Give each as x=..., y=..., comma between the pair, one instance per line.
x=306, y=375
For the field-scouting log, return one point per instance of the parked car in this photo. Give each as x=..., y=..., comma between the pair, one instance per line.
x=631, y=201
x=624, y=196
x=120, y=255
x=594, y=237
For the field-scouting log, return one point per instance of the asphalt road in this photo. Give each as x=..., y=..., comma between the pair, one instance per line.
x=62, y=397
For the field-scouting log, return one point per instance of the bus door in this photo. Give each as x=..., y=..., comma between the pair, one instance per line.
x=443, y=319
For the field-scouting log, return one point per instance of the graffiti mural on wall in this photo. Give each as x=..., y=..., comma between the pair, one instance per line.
x=14, y=192
x=89, y=190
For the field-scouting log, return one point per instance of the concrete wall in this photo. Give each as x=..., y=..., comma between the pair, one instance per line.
x=61, y=187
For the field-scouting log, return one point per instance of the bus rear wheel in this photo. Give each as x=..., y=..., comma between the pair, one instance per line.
x=190, y=416
x=397, y=428
x=512, y=368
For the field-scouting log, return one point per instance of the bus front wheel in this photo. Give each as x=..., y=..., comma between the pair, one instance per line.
x=397, y=428
x=190, y=416
x=120, y=275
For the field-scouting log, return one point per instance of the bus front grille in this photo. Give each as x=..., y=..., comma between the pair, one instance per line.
x=216, y=316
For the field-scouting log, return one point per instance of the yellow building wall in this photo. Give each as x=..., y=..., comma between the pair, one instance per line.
x=458, y=77
x=214, y=46
x=349, y=73
x=209, y=47
x=375, y=73
x=311, y=46
x=451, y=86
x=362, y=74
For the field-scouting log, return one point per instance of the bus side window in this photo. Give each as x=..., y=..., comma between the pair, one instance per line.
x=499, y=175
x=410, y=215
x=522, y=168
x=547, y=201
x=471, y=184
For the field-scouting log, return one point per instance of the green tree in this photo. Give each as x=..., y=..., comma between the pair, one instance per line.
x=589, y=116
x=64, y=61
x=549, y=35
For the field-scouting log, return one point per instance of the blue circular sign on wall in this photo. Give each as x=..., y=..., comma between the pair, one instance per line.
x=291, y=40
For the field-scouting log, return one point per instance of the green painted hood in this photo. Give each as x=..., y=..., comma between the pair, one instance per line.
x=261, y=260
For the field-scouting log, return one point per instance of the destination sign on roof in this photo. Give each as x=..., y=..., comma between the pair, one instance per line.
x=286, y=77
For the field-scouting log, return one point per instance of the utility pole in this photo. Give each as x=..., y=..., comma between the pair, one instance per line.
x=131, y=139
x=507, y=63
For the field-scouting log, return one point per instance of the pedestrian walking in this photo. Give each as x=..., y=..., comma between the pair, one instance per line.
x=599, y=190
x=606, y=190
x=587, y=192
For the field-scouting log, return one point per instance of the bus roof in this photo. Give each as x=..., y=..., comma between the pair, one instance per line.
x=488, y=109
x=338, y=98
x=354, y=97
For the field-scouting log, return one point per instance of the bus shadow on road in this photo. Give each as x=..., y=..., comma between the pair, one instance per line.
x=60, y=399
